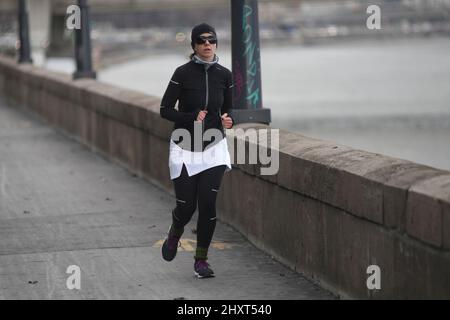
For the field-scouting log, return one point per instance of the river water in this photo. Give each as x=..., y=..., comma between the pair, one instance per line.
x=386, y=96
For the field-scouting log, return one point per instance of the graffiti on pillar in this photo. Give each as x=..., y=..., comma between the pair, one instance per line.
x=250, y=52
x=238, y=80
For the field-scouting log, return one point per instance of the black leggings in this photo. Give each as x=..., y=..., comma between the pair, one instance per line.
x=203, y=187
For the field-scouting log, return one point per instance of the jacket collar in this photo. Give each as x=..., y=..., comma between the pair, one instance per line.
x=207, y=64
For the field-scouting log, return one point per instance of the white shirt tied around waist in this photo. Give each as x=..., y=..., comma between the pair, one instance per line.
x=197, y=162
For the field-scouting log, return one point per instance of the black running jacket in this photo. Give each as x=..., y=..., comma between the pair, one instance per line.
x=198, y=87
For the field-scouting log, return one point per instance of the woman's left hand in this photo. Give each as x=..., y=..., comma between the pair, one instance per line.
x=227, y=122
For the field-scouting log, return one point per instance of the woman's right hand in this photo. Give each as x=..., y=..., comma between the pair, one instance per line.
x=201, y=115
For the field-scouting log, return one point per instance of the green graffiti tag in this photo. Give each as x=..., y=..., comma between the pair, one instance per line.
x=253, y=90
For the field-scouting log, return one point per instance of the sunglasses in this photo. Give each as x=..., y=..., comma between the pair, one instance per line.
x=202, y=40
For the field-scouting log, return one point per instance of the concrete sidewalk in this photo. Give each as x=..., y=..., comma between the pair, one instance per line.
x=62, y=205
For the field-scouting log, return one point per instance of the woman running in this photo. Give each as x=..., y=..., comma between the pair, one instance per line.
x=199, y=154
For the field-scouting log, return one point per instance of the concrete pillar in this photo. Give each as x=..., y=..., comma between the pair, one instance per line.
x=40, y=13
x=61, y=38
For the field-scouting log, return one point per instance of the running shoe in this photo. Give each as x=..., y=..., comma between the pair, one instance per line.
x=203, y=269
x=170, y=247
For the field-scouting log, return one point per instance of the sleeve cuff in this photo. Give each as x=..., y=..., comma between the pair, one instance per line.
x=232, y=119
x=195, y=114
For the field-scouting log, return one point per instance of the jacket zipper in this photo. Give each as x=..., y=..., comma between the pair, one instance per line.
x=206, y=98
x=207, y=92
x=207, y=89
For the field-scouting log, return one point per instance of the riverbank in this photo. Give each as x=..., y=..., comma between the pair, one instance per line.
x=388, y=96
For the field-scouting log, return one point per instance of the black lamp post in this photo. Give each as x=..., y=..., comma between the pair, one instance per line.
x=24, y=37
x=83, y=45
x=246, y=64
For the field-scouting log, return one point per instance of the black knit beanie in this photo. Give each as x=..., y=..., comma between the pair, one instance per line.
x=200, y=29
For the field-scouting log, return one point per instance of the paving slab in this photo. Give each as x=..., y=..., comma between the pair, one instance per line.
x=62, y=205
